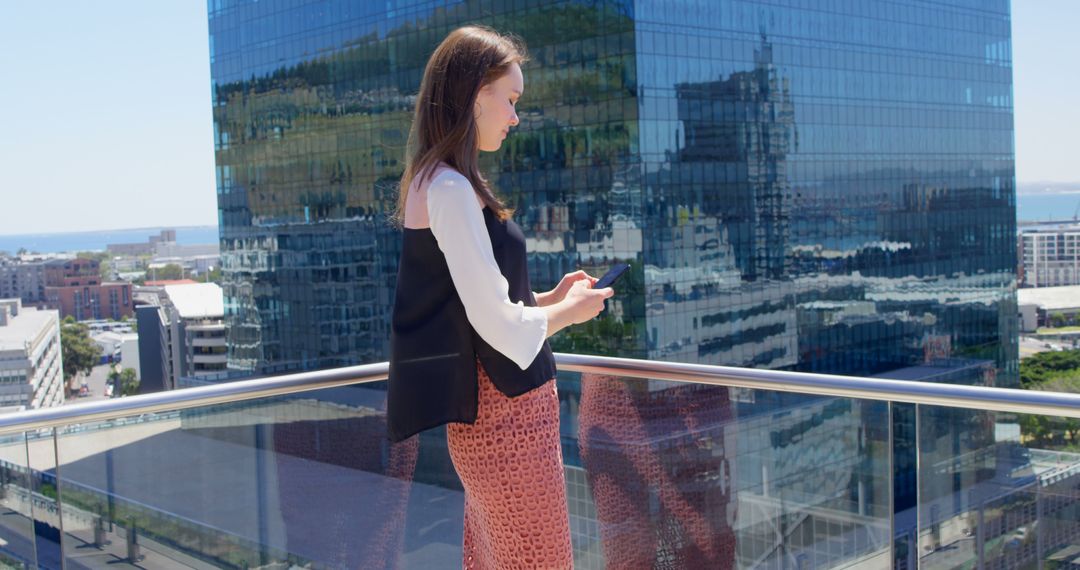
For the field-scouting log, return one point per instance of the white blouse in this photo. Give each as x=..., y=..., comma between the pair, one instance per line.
x=456, y=218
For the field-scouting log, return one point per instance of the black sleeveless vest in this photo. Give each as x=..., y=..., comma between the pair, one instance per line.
x=434, y=349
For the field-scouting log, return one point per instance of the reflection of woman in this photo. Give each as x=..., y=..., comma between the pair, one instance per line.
x=658, y=464
x=468, y=339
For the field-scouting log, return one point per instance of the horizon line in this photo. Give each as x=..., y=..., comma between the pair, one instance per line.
x=103, y=231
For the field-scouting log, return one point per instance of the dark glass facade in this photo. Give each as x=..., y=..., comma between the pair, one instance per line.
x=796, y=187
x=799, y=185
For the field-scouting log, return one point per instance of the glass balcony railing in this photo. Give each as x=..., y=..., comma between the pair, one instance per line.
x=667, y=466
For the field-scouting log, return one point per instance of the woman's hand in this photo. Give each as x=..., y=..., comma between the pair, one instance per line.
x=580, y=304
x=557, y=294
x=584, y=302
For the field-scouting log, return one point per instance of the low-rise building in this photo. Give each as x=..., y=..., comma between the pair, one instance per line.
x=31, y=367
x=165, y=250
x=74, y=288
x=1049, y=307
x=24, y=280
x=145, y=248
x=1049, y=255
x=181, y=333
x=119, y=348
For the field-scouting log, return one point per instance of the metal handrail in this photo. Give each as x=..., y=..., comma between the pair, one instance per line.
x=904, y=391
x=223, y=393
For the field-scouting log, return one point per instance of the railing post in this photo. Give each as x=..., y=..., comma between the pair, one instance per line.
x=980, y=538
x=1038, y=525
x=59, y=498
x=99, y=532
x=30, y=498
x=891, y=485
x=133, y=554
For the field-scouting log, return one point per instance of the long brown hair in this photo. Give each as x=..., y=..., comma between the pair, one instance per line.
x=444, y=127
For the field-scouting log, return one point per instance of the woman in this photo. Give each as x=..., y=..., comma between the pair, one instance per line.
x=468, y=339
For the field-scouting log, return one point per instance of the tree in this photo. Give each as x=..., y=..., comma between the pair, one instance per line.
x=126, y=382
x=93, y=255
x=170, y=271
x=1044, y=366
x=1057, y=372
x=214, y=275
x=80, y=354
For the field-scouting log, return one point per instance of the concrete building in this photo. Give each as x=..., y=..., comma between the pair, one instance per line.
x=147, y=248
x=182, y=333
x=74, y=287
x=195, y=266
x=1049, y=307
x=22, y=280
x=152, y=350
x=1049, y=255
x=31, y=370
x=173, y=249
x=119, y=348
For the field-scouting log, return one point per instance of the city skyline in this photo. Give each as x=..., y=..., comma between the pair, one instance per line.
x=796, y=187
x=58, y=152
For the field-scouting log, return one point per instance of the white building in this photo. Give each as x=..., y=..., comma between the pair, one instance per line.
x=198, y=328
x=31, y=369
x=1050, y=255
x=122, y=346
x=190, y=337
x=1048, y=307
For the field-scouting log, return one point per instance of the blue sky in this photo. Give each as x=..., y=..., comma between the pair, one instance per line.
x=1046, y=90
x=108, y=119
x=107, y=115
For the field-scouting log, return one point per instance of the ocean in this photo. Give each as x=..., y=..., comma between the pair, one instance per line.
x=1029, y=207
x=1043, y=207
x=96, y=241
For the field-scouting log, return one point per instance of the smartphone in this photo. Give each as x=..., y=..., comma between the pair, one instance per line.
x=611, y=276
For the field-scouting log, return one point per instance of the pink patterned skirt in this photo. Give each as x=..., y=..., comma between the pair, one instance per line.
x=510, y=464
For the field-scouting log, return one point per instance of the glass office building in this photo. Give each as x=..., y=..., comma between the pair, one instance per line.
x=795, y=187
x=799, y=185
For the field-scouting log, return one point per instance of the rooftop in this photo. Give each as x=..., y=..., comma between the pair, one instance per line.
x=197, y=300
x=114, y=337
x=1059, y=226
x=25, y=326
x=1050, y=298
x=166, y=282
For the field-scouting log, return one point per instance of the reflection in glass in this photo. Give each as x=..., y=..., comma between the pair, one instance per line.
x=306, y=479
x=997, y=490
x=21, y=502
x=658, y=465
x=695, y=476
x=828, y=191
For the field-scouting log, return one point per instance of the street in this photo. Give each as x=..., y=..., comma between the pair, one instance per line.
x=99, y=377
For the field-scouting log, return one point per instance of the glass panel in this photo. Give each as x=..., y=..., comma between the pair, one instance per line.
x=302, y=480
x=675, y=475
x=16, y=505
x=659, y=474
x=41, y=457
x=998, y=490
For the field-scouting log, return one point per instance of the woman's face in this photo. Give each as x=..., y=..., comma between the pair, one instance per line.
x=495, y=112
